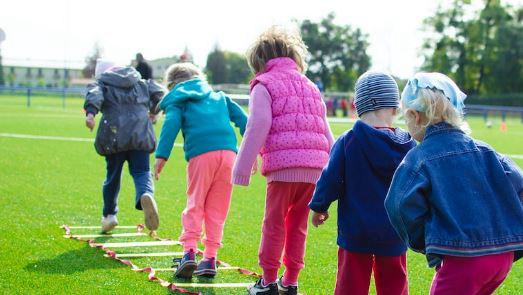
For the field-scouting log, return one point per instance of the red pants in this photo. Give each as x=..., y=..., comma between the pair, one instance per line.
x=479, y=275
x=284, y=229
x=354, y=270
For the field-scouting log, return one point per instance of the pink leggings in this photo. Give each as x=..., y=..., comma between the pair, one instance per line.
x=354, y=270
x=479, y=275
x=209, y=190
x=284, y=229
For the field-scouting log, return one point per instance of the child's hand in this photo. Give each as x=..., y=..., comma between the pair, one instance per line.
x=89, y=121
x=153, y=118
x=319, y=218
x=158, y=167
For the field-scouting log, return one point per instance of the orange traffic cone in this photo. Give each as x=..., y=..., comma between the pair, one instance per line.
x=503, y=126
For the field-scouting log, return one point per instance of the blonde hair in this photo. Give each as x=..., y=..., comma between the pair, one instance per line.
x=437, y=107
x=179, y=72
x=277, y=42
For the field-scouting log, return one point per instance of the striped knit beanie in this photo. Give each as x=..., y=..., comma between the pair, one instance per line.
x=375, y=90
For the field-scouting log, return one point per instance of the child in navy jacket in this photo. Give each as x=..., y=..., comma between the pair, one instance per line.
x=358, y=175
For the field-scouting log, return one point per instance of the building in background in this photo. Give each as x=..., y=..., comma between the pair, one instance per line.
x=27, y=76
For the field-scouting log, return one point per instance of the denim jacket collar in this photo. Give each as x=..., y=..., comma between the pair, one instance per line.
x=440, y=127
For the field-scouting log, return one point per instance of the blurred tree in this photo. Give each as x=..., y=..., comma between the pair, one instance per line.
x=2, y=81
x=227, y=67
x=90, y=61
x=338, y=53
x=482, y=50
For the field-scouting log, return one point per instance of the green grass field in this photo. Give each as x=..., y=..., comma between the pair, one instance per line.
x=47, y=183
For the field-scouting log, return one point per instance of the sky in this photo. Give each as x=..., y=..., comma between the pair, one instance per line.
x=63, y=32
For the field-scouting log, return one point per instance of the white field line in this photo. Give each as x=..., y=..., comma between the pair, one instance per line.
x=215, y=285
x=140, y=244
x=107, y=236
x=219, y=268
x=154, y=254
x=63, y=138
x=99, y=227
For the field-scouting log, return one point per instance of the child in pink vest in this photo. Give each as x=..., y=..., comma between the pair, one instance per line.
x=288, y=127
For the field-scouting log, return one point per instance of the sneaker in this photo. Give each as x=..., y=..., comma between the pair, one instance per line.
x=109, y=223
x=150, y=211
x=185, y=265
x=260, y=289
x=206, y=268
x=286, y=290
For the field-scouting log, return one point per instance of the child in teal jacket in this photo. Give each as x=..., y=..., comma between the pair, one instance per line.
x=209, y=143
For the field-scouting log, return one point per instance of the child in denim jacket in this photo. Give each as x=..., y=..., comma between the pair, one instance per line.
x=454, y=198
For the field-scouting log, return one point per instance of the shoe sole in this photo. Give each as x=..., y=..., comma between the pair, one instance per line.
x=206, y=273
x=150, y=212
x=186, y=270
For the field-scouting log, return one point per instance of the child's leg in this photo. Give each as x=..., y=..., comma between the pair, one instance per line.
x=218, y=202
x=273, y=230
x=111, y=186
x=200, y=175
x=139, y=168
x=296, y=232
x=354, y=271
x=390, y=275
x=471, y=275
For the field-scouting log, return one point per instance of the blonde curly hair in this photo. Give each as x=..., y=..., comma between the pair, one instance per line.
x=277, y=42
x=180, y=72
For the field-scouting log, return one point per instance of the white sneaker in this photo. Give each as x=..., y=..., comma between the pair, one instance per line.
x=108, y=223
x=150, y=211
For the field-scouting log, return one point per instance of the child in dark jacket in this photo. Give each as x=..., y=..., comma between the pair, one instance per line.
x=125, y=134
x=358, y=175
x=454, y=198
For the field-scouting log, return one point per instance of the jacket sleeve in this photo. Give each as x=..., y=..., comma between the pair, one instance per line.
x=513, y=173
x=407, y=206
x=237, y=115
x=331, y=185
x=94, y=98
x=156, y=92
x=171, y=127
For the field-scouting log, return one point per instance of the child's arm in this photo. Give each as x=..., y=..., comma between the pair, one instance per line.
x=237, y=115
x=156, y=92
x=513, y=173
x=258, y=127
x=93, y=103
x=331, y=185
x=171, y=127
x=407, y=206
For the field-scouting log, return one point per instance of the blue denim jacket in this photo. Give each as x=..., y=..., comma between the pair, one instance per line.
x=453, y=195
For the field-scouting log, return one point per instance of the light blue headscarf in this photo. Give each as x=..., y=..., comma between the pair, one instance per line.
x=434, y=81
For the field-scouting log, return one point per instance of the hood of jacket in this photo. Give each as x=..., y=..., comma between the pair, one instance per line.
x=121, y=77
x=383, y=149
x=194, y=89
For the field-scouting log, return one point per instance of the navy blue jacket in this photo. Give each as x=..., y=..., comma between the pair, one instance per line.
x=358, y=175
x=456, y=196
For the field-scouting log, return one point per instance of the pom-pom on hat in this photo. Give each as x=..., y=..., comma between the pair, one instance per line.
x=102, y=65
x=375, y=90
x=433, y=81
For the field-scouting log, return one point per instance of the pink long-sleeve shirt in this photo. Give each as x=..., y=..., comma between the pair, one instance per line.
x=258, y=127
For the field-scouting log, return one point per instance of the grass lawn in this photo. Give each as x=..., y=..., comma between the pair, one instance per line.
x=47, y=183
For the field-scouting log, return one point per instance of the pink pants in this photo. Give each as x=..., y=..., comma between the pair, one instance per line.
x=471, y=275
x=354, y=272
x=209, y=191
x=284, y=229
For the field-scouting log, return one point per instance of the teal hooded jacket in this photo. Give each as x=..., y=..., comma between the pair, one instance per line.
x=204, y=117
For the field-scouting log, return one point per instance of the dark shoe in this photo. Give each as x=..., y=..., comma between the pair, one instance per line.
x=206, y=268
x=150, y=211
x=286, y=290
x=186, y=265
x=260, y=289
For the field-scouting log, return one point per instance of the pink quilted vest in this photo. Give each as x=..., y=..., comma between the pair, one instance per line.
x=297, y=137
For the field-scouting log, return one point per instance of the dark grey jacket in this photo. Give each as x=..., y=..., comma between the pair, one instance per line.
x=125, y=101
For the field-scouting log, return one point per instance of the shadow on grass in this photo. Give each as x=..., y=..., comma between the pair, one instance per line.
x=73, y=261
x=199, y=280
